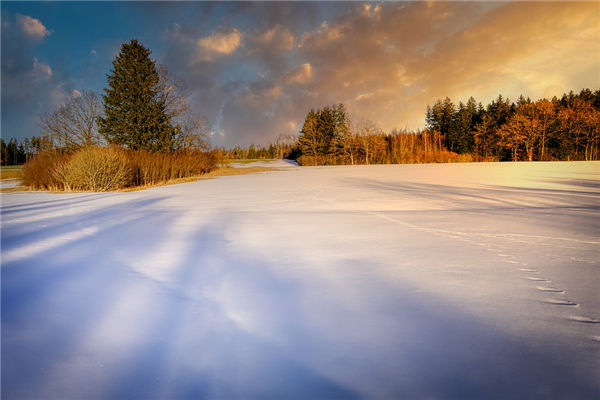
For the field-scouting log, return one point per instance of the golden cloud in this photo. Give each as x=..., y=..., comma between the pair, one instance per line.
x=32, y=27
x=219, y=43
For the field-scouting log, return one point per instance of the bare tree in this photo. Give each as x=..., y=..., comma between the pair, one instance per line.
x=284, y=144
x=367, y=132
x=73, y=124
x=173, y=93
x=192, y=127
x=193, y=134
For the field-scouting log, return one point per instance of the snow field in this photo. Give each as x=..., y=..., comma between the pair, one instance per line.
x=404, y=281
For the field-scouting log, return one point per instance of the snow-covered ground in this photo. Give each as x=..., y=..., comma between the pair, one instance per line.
x=387, y=282
x=279, y=164
x=10, y=183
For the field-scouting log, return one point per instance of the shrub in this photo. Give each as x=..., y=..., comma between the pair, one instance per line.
x=38, y=173
x=153, y=168
x=95, y=169
x=104, y=169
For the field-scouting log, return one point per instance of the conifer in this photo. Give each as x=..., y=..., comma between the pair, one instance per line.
x=134, y=112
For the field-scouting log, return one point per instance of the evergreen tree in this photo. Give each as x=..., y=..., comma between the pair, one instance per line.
x=441, y=118
x=309, y=139
x=3, y=152
x=135, y=111
x=324, y=131
x=501, y=110
x=461, y=133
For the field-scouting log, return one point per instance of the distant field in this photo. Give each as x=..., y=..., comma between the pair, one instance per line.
x=7, y=170
x=10, y=178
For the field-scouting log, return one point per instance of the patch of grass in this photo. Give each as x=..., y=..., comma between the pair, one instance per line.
x=13, y=189
x=11, y=173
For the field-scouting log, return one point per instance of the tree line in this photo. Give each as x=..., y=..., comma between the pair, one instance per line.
x=14, y=153
x=329, y=137
x=565, y=128
x=283, y=147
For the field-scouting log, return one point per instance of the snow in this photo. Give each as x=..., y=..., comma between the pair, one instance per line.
x=279, y=164
x=10, y=183
x=405, y=281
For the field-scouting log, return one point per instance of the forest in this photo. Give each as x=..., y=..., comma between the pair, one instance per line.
x=565, y=128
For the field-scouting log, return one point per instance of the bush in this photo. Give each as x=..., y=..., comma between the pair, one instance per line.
x=104, y=169
x=95, y=169
x=153, y=168
x=38, y=173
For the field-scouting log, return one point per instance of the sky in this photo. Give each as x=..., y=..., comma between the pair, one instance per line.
x=254, y=69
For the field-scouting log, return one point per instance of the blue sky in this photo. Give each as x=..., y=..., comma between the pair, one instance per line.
x=255, y=69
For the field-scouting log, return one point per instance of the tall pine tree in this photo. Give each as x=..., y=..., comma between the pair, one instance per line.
x=134, y=112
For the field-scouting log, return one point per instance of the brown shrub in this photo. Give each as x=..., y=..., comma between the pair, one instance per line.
x=103, y=169
x=95, y=169
x=153, y=168
x=38, y=173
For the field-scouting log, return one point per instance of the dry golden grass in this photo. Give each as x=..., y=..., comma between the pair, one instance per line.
x=11, y=173
x=13, y=189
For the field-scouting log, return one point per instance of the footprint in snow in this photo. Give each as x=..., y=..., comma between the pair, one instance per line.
x=561, y=302
x=537, y=279
x=549, y=289
x=585, y=320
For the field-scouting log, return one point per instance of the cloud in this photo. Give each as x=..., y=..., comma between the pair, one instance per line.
x=30, y=86
x=300, y=75
x=32, y=27
x=386, y=62
x=220, y=42
x=255, y=69
x=40, y=70
x=277, y=39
